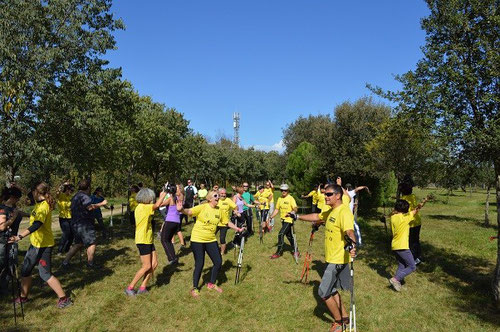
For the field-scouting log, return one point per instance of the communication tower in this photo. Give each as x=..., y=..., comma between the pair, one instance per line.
x=236, y=126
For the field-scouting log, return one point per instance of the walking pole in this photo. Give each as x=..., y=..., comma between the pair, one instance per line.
x=295, y=246
x=240, y=257
x=111, y=217
x=352, y=312
x=308, y=257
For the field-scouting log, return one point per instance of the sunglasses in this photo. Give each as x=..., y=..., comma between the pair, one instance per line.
x=329, y=194
x=284, y=191
x=215, y=196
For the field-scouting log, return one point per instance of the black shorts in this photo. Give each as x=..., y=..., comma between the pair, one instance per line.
x=40, y=256
x=84, y=232
x=145, y=249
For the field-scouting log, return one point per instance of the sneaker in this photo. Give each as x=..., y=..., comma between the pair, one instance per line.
x=20, y=300
x=296, y=254
x=130, y=292
x=142, y=291
x=395, y=284
x=336, y=327
x=195, y=293
x=275, y=256
x=417, y=261
x=91, y=266
x=214, y=287
x=64, y=302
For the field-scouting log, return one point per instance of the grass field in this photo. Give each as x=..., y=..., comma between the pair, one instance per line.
x=450, y=291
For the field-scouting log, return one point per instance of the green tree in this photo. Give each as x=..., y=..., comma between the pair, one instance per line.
x=455, y=85
x=42, y=43
x=303, y=168
x=158, y=138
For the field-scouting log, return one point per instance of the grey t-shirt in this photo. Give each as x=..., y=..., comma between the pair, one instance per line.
x=79, y=208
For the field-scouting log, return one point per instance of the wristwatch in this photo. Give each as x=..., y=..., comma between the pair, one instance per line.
x=20, y=236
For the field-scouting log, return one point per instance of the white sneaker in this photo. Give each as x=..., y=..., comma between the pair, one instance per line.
x=395, y=284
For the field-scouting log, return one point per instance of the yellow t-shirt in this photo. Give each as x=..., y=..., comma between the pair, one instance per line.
x=285, y=206
x=269, y=194
x=346, y=199
x=132, y=202
x=226, y=206
x=143, y=226
x=337, y=222
x=263, y=199
x=42, y=237
x=202, y=193
x=400, y=226
x=321, y=200
x=207, y=219
x=64, y=205
x=314, y=195
x=412, y=200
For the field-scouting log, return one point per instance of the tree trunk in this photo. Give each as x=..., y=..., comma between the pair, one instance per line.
x=496, y=276
x=487, y=208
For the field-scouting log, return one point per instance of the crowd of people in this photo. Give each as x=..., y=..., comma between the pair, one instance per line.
x=211, y=211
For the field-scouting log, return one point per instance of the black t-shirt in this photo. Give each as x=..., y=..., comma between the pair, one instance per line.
x=79, y=208
x=189, y=194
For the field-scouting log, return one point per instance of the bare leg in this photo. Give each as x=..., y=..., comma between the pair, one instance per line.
x=25, y=286
x=181, y=238
x=146, y=266
x=90, y=253
x=340, y=305
x=154, y=264
x=333, y=307
x=223, y=249
x=54, y=283
x=72, y=251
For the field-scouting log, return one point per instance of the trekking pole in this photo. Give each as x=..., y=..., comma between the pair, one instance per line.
x=240, y=260
x=308, y=257
x=12, y=266
x=295, y=246
x=111, y=217
x=352, y=312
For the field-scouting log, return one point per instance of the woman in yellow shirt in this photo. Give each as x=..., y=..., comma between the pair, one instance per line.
x=40, y=249
x=208, y=216
x=63, y=199
x=400, y=225
x=144, y=238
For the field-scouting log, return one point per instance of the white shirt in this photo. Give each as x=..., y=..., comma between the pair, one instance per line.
x=352, y=194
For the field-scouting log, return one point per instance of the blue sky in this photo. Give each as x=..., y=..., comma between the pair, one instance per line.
x=271, y=61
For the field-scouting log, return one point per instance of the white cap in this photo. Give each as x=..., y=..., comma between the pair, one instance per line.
x=284, y=186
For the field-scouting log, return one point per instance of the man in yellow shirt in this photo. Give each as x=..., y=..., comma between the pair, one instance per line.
x=339, y=221
x=314, y=194
x=285, y=204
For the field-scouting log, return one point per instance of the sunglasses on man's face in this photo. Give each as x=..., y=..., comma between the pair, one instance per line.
x=329, y=194
x=284, y=191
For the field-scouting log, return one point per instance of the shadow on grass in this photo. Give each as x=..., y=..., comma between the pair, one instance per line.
x=166, y=274
x=468, y=277
x=477, y=221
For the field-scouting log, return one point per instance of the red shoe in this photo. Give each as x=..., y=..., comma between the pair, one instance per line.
x=336, y=327
x=275, y=256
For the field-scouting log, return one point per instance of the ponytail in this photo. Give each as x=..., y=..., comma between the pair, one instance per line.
x=44, y=189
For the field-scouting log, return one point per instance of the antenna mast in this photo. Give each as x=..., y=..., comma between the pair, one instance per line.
x=236, y=126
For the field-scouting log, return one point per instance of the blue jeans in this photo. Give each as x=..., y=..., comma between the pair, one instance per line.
x=406, y=264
